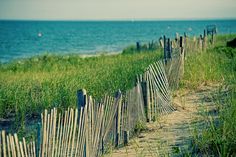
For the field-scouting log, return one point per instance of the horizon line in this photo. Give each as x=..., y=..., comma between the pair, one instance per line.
x=122, y=19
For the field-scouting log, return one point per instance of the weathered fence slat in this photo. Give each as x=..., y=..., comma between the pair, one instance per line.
x=118, y=113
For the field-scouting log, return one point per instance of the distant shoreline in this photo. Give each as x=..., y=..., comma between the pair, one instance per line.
x=62, y=55
x=120, y=20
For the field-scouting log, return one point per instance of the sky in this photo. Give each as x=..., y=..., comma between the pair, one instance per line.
x=116, y=9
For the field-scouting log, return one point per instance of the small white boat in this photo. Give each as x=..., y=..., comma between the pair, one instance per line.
x=40, y=34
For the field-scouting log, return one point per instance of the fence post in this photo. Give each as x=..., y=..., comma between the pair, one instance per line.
x=149, y=113
x=138, y=46
x=161, y=42
x=181, y=42
x=145, y=96
x=38, y=140
x=212, y=37
x=168, y=48
x=181, y=45
x=82, y=98
x=103, y=149
x=165, y=55
x=126, y=130
x=118, y=114
x=126, y=137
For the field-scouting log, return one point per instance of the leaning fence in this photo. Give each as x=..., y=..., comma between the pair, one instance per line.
x=96, y=126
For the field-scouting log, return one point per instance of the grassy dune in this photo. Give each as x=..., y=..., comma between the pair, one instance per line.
x=31, y=85
x=215, y=66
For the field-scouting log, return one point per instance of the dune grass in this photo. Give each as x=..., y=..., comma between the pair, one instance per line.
x=31, y=85
x=215, y=66
x=218, y=138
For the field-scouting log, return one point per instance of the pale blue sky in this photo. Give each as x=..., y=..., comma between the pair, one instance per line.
x=116, y=9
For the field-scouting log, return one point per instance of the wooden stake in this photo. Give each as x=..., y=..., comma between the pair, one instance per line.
x=21, y=149
x=4, y=143
x=119, y=101
x=74, y=131
x=25, y=148
x=44, y=133
x=165, y=50
x=17, y=145
x=12, y=145
x=8, y=147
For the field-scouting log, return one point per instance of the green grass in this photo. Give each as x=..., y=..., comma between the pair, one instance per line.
x=219, y=138
x=150, y=47
x=215, y=66
x=221, y=40
x=31, y=85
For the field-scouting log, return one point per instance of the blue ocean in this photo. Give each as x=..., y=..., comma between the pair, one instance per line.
x=21, y=39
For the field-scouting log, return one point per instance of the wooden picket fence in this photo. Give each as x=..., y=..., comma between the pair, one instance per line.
x=94, y=127
x=10, y=146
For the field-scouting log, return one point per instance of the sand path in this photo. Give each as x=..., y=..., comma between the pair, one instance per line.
x=172, y=134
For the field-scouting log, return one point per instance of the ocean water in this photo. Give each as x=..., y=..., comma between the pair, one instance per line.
x=20, y=39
